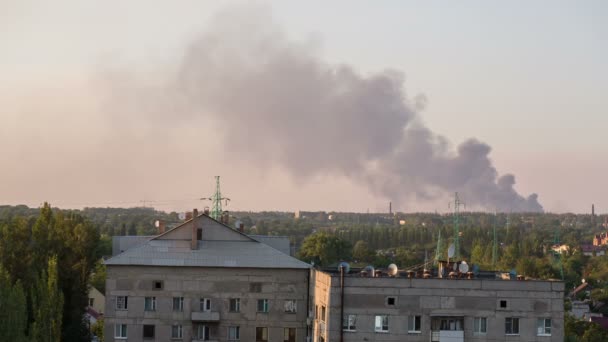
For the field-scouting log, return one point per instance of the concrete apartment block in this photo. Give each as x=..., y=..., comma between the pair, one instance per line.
x=446, y=310
x=204, y=281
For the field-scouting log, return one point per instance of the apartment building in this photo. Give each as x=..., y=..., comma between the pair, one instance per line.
x=204, y=281
x=364, y=308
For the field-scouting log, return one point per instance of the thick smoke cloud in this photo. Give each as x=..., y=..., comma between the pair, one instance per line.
x=278, y=103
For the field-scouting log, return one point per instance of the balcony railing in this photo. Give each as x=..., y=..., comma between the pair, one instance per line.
x=205, y=316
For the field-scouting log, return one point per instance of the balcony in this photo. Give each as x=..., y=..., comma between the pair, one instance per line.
x=206, y=316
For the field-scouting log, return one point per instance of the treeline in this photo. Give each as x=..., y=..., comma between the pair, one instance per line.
x=46, y=262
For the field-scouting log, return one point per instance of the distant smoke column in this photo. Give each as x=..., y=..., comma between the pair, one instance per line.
x=285, y=106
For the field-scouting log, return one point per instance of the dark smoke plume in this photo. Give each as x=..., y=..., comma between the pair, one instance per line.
x=281, y=104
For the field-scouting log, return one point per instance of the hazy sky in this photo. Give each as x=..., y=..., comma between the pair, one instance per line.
x=77, y=129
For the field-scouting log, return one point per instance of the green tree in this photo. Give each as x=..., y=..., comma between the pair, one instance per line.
x=362, y=252
x=98, y=277
x=13, y=309
x=97, y=329
x=324, y=249
x=48, y=304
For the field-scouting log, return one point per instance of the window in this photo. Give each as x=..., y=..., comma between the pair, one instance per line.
x=290, y=306
x=178, y=303
x=148, y=331
x=121, y=302
x=235, y=304
x=199, y=234
x=323, y=313
x=512, y=326
x=391, y=301
x=349, y=323
x=157, y=285
x=381, y=323
x=150, y=304
x=261, y=334
x=205, y=304
x=543, y=327
x=176, y=331
x=202, y=333
x=503, y=304
x=120, y=331
x=480, y=325
x=262, y=305
x=255, y=287
x=234, y=333
x=413, y=324
x=316, y=312
x=91, y=301
x=289, y=335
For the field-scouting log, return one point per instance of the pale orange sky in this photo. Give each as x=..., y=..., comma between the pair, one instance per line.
x=529, y=80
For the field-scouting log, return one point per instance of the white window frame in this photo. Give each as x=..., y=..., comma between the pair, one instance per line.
x=412, y=321
x=264, y=303
x=286, y=334
x=180, y=304
x=120, y=331
x=264, y=332
x=291, y=306
x=125, y=302
x=153, y=303
x=236, y=335
x=205, y=304
x=480, y=325
x=203, y=332
x=512, y=320
x=237, y=305
x=177, y=332
x=349, y=323
x=379, y=323
x=542, y=329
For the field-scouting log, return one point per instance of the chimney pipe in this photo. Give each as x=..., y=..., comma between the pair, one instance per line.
x=194, y=241
x=242, y=227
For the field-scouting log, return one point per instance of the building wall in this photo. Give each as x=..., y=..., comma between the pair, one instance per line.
x=219, y=284
x=99, y=300
x=367, y=297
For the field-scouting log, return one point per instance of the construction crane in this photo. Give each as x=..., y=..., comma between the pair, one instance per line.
x=216, y=201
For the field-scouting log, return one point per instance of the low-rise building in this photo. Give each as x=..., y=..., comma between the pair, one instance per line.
x=204, y=281
x=447, y=310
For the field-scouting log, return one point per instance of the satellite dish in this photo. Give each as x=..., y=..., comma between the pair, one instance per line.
x=371, y=272
x=157, y=223
x=451, y=251
x=345, y=265
x=237, y=224
x=392, y=270
x=463, y=268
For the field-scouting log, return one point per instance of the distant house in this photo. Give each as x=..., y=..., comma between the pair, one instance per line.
x=97, y=301
x=560, y=248
x=600, y=239
x=593, y=250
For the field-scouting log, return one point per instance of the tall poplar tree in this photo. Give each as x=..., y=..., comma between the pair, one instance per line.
x=48, y=306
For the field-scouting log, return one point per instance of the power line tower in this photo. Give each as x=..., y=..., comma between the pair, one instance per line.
x=457, y=204
x=439, y=249
x=557, y=255
x=494, y=244
x=216, y=200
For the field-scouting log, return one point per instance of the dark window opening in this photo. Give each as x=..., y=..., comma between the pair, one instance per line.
x=199, y=234
x=503, y=303
x=390, y=301
x=148, y=331
x=158, y=285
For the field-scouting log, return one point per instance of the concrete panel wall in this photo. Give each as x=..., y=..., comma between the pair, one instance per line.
x=428, y=298
x=218, y=284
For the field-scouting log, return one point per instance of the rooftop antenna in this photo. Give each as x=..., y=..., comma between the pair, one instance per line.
x=216, y=200
x=457, y=204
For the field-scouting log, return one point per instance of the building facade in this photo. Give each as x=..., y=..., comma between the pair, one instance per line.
x=204, y=281
x=446, y=310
